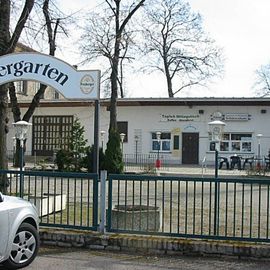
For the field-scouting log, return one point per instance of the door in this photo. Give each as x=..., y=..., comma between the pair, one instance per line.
x=190, y=148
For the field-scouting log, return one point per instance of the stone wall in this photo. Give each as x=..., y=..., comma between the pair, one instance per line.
x=151, y=244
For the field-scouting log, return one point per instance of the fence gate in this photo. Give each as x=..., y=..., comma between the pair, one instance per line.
x=66, y=200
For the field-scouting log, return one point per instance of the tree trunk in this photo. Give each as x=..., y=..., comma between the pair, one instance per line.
x=7, y=45
x=4, y=39
x=114, y=92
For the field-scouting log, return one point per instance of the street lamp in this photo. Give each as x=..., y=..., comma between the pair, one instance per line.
x=21, y=128
x=158, y=135
x=259, y=136
x=102, y=134
x=136, y=137
x=14, y=150
x=122, y=137
x=216, y=129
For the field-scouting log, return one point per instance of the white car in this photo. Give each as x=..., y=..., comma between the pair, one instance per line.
x=19, y=238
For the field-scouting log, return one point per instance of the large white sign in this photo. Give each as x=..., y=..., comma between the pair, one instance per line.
x=51, y=71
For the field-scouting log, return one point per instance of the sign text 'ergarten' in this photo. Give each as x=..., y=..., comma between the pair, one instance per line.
x=50, y=71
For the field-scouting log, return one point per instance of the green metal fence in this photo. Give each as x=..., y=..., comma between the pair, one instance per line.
x=68, y=200
x=192, y=207
x=233, y=209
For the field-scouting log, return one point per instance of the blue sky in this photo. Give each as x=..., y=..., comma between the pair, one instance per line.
x=240, y=27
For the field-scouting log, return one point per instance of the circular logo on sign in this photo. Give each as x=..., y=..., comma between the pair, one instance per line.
x=87, y=84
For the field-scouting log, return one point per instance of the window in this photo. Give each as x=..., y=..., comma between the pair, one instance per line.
x=165, y=142
x=36, y=86
x=56, y=95
x=21, y=87
x=51, y=133
x=123, y=128
x=234, y=142
x=176, y=142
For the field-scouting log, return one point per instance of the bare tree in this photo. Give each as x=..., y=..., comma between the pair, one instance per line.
x=177, y=46
x=52, y=25
x=262, y=83
x=108, y=36
x=7, y=45
x=98, y=41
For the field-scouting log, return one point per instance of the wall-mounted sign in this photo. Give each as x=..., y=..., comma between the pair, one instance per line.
x=179, y=117
x=51, y=71
x=217, y=116
x=236, y=117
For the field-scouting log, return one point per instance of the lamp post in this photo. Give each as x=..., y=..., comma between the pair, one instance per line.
x=216, y=129
x=259, y=136
x=14, y=150
x=158, y=135
x=102, y=134
x=21, y=128
x=136, y=137
x=122, y=137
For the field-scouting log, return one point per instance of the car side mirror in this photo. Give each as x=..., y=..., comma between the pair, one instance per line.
x=1, y=197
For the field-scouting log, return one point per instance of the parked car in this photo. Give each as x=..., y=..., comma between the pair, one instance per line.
x=19, y=238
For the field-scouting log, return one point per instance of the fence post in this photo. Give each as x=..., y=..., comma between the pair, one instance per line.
x=103, y=178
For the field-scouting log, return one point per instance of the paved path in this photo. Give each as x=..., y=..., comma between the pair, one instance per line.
x=78, y=259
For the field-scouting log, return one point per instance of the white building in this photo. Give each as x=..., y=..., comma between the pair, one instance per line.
x=183, y=123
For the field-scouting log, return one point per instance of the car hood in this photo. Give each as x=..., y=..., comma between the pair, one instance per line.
x=17, y=203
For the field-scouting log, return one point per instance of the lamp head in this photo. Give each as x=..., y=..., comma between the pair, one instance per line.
x=158, y=134
x=216, y=128
x=21, y=128
x=122, y=136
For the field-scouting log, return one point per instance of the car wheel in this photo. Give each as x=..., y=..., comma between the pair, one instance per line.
x=24, y=247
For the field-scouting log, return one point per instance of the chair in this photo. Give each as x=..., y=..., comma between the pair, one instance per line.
x=235, y=160
x=223, y=160
x=267, y=162
x=250, y=161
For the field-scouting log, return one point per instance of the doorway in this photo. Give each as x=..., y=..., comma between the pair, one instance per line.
x=190, y=148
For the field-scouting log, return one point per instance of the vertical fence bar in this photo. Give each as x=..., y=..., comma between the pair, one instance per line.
x=243, y=210
x=267, y=214
x=186, y=208
x=210, y=208
x=226, y=208
x=259, y=211
x=178, y=205
x=148, y=204
x=202, y=207
x=250, y=211
x=194, y=207
x=81, y=202
x=216, y=194
x=171, y=207
x=133, y=203
x=125, y=200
